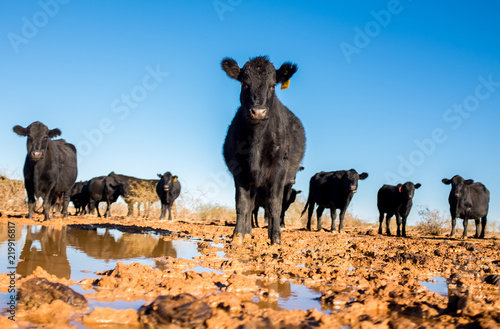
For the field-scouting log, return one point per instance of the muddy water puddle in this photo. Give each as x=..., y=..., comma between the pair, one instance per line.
x=77, y=252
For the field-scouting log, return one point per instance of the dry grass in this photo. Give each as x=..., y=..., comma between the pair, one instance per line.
x=432, y=222
x=12, y=194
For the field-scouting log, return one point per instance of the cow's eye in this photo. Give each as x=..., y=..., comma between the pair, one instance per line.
x=244, y=86
x=271, y=88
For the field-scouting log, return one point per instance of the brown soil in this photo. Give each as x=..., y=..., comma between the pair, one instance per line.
x=365, y=281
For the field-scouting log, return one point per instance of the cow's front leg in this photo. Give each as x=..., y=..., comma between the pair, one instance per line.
x=453, y=225
x=47, y=202
x=341, y=219
x=398, y=223
x=466, y=222
x=107, y=214
x=404, y=227
x=244, y=207
x=274, y=205
x=477, y=228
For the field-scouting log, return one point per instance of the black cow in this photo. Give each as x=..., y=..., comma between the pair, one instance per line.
x=395, y=200
x=168, y=189
x=468, y=200
x=80, y=200
x=265, y=142
x=108, y=189
x=50, y=168
x=333, y=190
x=261, y=202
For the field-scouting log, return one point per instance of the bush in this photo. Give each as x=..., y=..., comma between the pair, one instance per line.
x=12, y=195
x=432, y=222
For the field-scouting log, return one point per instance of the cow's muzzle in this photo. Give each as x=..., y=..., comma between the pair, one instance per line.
x=165, y=188
x=353, y=189
x=258, y=113
x=36, y=155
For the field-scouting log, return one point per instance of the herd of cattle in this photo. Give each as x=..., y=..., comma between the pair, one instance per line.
x=263, y=150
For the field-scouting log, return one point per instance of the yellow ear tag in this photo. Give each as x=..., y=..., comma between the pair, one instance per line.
x=285, y=84
x=175, y=179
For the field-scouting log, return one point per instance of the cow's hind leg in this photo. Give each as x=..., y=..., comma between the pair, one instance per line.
x=388, y=223
x=310, y=211
x=483, y=227
x=319, y=213
x=478, y=230
x=65, y=203
x=398, y=222
x=466, y=223
x=380, y=221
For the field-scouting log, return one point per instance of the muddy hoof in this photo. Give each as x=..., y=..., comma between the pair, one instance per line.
x=39, y=291
x=183, y=310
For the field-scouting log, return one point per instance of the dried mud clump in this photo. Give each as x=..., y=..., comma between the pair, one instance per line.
x=38, y=291
x=183, y=310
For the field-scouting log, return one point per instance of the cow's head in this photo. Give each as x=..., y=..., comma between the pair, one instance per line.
x=350, y=180
x=407, y=190
x=168, y=180
x=125, y=188
x=457, y=185
x=258, y=79
x=38, y=138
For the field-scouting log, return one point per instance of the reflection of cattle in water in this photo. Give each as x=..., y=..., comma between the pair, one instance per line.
x=45, y=247
x=121, y=245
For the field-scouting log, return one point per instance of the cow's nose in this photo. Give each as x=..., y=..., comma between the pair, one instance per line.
x=36, y=155
x=258, y=113
x=353, y=188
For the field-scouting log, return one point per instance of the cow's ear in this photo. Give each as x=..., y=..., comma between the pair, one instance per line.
x=159, y=175
x=175, y=178
x=20, y=130
x=418, y=185
x=446, y=181
x=54, y=132
x=301, y=168
x=299, y=191
x=285, y=72
x=363, y=175
x=231, y=68
x=468, y=181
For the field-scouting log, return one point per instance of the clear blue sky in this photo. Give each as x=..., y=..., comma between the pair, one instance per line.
x=377, y=81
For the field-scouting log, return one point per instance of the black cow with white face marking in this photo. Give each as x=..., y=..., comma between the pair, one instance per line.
x=265, y=142
x=395, y=201
x=468, y=200
x=333, y=190
x=168, y=189
x=50, y=168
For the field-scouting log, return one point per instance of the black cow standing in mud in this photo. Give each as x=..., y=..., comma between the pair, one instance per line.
x=50, y=168
x=265, y=143
x=168, y=189
x=468, y=200
x=333, y=190
x=395, y=201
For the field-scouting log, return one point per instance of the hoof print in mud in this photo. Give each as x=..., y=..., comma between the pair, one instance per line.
x=183, y=310
x=38, y=291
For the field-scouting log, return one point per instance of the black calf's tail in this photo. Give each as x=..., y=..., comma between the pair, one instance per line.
x=305, y=208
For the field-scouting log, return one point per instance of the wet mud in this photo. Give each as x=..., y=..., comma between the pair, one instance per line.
x=143, y=273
